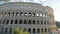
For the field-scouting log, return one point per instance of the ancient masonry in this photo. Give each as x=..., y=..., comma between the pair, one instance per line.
x=31, y=17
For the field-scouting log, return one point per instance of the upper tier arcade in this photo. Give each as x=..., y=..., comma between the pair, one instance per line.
x=22, y=6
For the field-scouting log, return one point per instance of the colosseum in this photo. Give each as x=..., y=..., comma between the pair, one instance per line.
x=31, y=17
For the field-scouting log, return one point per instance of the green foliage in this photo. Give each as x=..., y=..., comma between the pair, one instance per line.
x=26, y=33
x=4, y=0
x=19, y=31
x=58, y=24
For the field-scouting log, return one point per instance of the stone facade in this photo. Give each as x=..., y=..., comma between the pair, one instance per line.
x=32, y=17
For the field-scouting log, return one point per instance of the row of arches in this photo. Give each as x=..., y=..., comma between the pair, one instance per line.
x=24, y=14
x=20, y=21
x=30, y=30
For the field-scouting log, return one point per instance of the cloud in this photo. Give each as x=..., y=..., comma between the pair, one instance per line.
x=44, y=0
x=35, y=1
x=12, y=1
x=17, y=0
x=25, y=0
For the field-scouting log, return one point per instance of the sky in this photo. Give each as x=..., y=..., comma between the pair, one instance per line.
x=55, y=4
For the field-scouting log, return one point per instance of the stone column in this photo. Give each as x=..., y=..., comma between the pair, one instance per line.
x=43, y=30
x=31, y=30
x=8, y=30
x=40, y=30
x=12, y=30
x=10, y=13
x=3, y=29
x=36, y=22
x=36, y=30
x=13, y=21
x=9, y=21
x=27, y=29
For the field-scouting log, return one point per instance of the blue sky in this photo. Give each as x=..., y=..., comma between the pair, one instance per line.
x=55, y=4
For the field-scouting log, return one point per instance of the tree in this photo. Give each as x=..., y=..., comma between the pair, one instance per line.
x=4, y=0
x=26, y=32
x=19, y=31
x=58, y=24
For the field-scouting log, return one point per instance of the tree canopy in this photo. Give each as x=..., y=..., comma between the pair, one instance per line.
x=4, y=0
x=19, y=31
